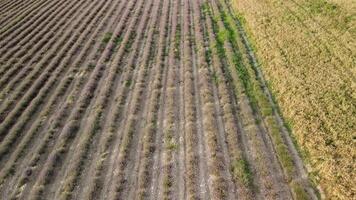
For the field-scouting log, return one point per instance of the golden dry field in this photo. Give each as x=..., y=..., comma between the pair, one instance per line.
x=307, y=52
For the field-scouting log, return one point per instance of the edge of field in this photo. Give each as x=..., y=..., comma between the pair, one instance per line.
x=338, y=187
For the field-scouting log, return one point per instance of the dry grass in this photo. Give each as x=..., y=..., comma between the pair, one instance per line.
x=307, y=52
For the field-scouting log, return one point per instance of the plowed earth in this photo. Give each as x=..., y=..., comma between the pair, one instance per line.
x=139, y=99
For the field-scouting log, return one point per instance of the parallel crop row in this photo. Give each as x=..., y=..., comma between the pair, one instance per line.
x=130, y=133
x=48, y=70
x=150, y=130
x=32, y=49
x=239, y=167
x=10, y=8
x=24, y=18
x=158, y=99
x=58, y=121
x=169, y=123
x=190, y=114
x=100, y=109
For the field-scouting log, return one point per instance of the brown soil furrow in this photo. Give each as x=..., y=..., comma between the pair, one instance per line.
x=229, y=122
x=8, y=9
x=259, y=169
x=181, y=171
x=158, y=191
x=72, y=129
x=162, y=62
x=192, y=172
x=33, y=108
x=132, y=124
x=158, y=99
x=10, y=6
x=125, y=89
x=74, y=166
x=66, y=137
x=15, y=47
x=270, y=179
x=148, y=127
x=168, y=183
x=20, y=126
x=263, y=127
x=216, y=166
x=137, y=161
x=5, y=4
x=17, y=11
x=93, y=190
x=231, y=190
x=123, y=85
x=14, y=72
x=49, y=135
x=148, y=60
x=103, y=61
x=29, y=90
x=272, y=182
x=61, y=91
x=23, y=19
x=243, y=137
x=203, y=166
x=150, y=130
x=40, y=62
x=221, y=139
